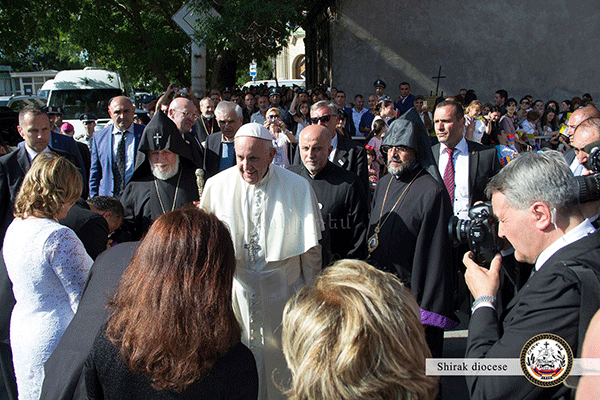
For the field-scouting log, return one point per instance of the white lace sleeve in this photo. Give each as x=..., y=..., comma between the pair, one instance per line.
x=69, y=261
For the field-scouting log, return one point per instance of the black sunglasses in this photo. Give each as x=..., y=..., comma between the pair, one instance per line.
x=324, y=118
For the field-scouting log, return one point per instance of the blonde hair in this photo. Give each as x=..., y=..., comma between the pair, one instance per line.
x=51, y=182
x=275, y=110
x=472, y=105
x=356, y=333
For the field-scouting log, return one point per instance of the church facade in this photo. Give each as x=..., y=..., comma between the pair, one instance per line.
x=543, y=49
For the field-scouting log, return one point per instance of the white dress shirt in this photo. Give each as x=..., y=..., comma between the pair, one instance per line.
x=461, y=176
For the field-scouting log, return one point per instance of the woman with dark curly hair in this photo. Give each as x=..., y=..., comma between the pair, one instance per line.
x=172, y=332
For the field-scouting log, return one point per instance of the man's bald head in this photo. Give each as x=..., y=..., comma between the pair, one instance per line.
x=184, y=113
x=580, y=115
x=587, y=132
x=121, y=111
x=315, y=147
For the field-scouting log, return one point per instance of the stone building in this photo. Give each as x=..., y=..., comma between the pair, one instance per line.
x=544, y=49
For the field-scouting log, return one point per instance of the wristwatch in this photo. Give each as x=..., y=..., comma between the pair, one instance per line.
x=482, y=299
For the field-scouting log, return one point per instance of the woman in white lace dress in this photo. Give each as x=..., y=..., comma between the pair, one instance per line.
x=47, y=265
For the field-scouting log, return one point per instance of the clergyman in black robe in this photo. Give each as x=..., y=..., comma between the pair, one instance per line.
x=408, y=232
x=148, y=195
x=341, y=195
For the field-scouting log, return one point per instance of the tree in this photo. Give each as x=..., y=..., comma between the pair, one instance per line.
x=246, y=30
x=140, y=38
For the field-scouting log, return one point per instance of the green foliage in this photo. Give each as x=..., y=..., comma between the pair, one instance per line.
x=253, y=29
x=139, y=37
x=264, y=70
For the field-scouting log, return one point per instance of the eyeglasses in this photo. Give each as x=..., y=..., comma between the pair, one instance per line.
x=324, y=118
x=395, y=149
x=273, y=116
x=187, y=114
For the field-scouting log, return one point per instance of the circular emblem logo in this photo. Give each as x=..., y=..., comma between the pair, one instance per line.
x=546, y=360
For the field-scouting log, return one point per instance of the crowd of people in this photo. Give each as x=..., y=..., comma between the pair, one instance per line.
x=279, y=243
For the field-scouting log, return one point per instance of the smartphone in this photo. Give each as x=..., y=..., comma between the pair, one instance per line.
x=424, y=103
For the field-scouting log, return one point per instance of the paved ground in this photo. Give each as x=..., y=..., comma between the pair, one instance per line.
x=455, y=344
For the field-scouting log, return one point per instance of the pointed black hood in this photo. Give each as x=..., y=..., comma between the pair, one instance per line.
x=162, y=133
x=408, y=130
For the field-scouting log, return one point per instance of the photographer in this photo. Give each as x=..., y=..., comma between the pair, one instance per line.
x=536, y=204
x=587, y=133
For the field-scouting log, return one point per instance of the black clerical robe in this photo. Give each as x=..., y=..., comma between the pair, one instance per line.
x=142, y=201
x=413, y=241
x=344, y=208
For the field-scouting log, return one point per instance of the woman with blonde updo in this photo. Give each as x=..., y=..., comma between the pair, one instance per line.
x=355, y=334
x=282, y=137
x=47, y=265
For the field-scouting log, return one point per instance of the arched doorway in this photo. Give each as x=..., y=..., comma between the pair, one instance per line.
x=299, y=67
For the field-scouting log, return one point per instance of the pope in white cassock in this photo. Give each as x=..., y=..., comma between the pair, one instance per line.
x=275, y=223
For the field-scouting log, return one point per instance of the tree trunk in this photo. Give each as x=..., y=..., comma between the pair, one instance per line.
x=224, y=70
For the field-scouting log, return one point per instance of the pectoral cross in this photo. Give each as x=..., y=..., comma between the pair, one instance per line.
x=157, y=136
x=253, y=248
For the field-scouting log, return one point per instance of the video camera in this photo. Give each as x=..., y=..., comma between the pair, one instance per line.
x=480, y=232
x=589, y=185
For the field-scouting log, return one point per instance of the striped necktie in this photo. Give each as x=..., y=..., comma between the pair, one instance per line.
x=449, y=174
x=120, y=166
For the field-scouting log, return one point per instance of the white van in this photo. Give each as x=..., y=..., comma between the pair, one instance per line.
x=273, y=83
x=84, y=91
x=45, y=89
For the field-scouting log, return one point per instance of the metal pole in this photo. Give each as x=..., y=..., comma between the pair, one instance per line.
x=198, y=70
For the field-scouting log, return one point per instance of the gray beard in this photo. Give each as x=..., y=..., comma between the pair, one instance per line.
x=163, y=176
x=403, y=168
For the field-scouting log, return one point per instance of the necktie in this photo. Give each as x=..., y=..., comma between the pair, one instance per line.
x=120, y=163
x=449, y=174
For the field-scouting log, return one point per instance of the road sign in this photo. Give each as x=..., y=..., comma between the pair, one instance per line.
x=253, y=67
x=187, y=18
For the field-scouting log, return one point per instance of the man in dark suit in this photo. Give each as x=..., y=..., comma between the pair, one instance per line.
x=34, y=127
x=63, y=370
x=466, y=167
x=346, y=153
x=577, y=118
x=472, y=164
x=90, y=227
x=220, y=152
x=342, y=199
x=534, y=199
x=106, y=145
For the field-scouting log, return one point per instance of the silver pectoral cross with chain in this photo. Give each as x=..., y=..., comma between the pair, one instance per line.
x=253, y=247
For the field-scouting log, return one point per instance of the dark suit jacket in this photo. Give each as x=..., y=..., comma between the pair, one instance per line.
x=212, y=154
x=548, y=303
x=86, y=156
x=101, y=175
x=67, y=144
x=569, y=155
x=483, y=164
x=13, y=167
x=63, y=369
x=90, y=227
x=353, y=157
x=201, y=132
